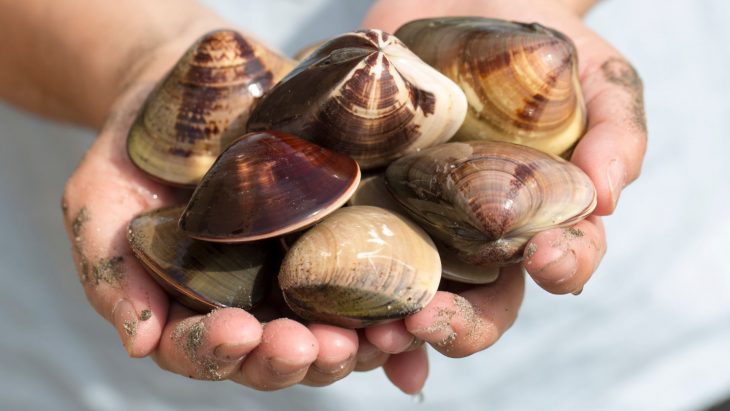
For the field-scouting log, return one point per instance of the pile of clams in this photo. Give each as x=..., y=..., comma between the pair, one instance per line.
x=276, y=151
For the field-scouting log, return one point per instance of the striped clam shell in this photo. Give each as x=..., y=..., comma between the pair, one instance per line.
x=202, y=275
x=521, y=80
x=360, y=266
x=201, y=106
x=366, y=95
x=268, y=184
x=485, y=199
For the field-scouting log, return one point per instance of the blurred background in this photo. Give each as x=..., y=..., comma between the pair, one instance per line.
x=651, y=331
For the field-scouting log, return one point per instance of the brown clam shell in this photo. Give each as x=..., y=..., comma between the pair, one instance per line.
x=268, y=184
x=521, y=80
x=360, y=266
x=199, y=274
x=485, y=199
x=366, y=95
x=201, y=106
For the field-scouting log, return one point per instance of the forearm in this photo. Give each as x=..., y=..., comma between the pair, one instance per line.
x=69, y=60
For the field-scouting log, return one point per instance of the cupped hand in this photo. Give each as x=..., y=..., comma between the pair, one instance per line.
x=562, y=260
x=102, y=196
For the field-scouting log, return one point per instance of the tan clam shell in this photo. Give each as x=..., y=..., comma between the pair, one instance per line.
x=373, y=191
x=360, y=266
x=201, y=106
x=199, y=274
x=521, y=80
x=486, y=199
x=366, y=95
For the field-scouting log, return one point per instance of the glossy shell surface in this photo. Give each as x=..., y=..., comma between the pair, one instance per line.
x=360, y=266
x=202, y=275
x=521, y=80
x=201, y=106
x=266, y=185
x=485, y=200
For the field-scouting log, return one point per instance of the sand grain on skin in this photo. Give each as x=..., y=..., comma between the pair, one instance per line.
x=130, y=327
x=105, y=270
x=189, y=336
x=621, y=73
x=145, y=315
x=471, y=317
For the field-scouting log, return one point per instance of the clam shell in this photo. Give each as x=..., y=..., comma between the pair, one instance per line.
x=201, y=106
x=485, y=200
x=266, y=185
x=360, y=266
x=199, y=274
x=365, y=95
x=373, y=191
x=521, y=80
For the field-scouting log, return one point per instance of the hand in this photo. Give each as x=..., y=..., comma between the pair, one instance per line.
x=103, y=195
x=611, y=152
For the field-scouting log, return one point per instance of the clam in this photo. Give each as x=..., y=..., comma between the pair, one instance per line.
x=360, y=266
x=484, y=200
x=201, y=106
x=453, y=268
x=199, y=274
x=373, y=191
x=366, y=95
x=267, y=184
x=521, y=80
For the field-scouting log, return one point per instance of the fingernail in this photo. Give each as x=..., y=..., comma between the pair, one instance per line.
x=283, y=368
x=579, y=291
x=125, y=321
x=415, y=343
x=331, y=368
x=231, y=352
x=564, y=266
x=367, y=352
x=616, y=179
x=407, y=345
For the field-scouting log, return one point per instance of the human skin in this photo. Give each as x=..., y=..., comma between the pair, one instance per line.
x=611, y=153
x=60, y=67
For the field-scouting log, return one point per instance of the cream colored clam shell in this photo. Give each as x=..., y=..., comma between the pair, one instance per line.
x=360, y=266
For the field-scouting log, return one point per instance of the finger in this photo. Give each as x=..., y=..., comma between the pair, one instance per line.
x=392, y=337
x=369, y=357
x=562, y=260
x=207, y=347
x=458, y=325
x=282, y=359
x=337, y=355
x=613, y=148
x=408, y=370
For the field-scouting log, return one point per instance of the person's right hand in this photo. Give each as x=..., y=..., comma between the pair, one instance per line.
x=561, y=260
x=104, y=194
